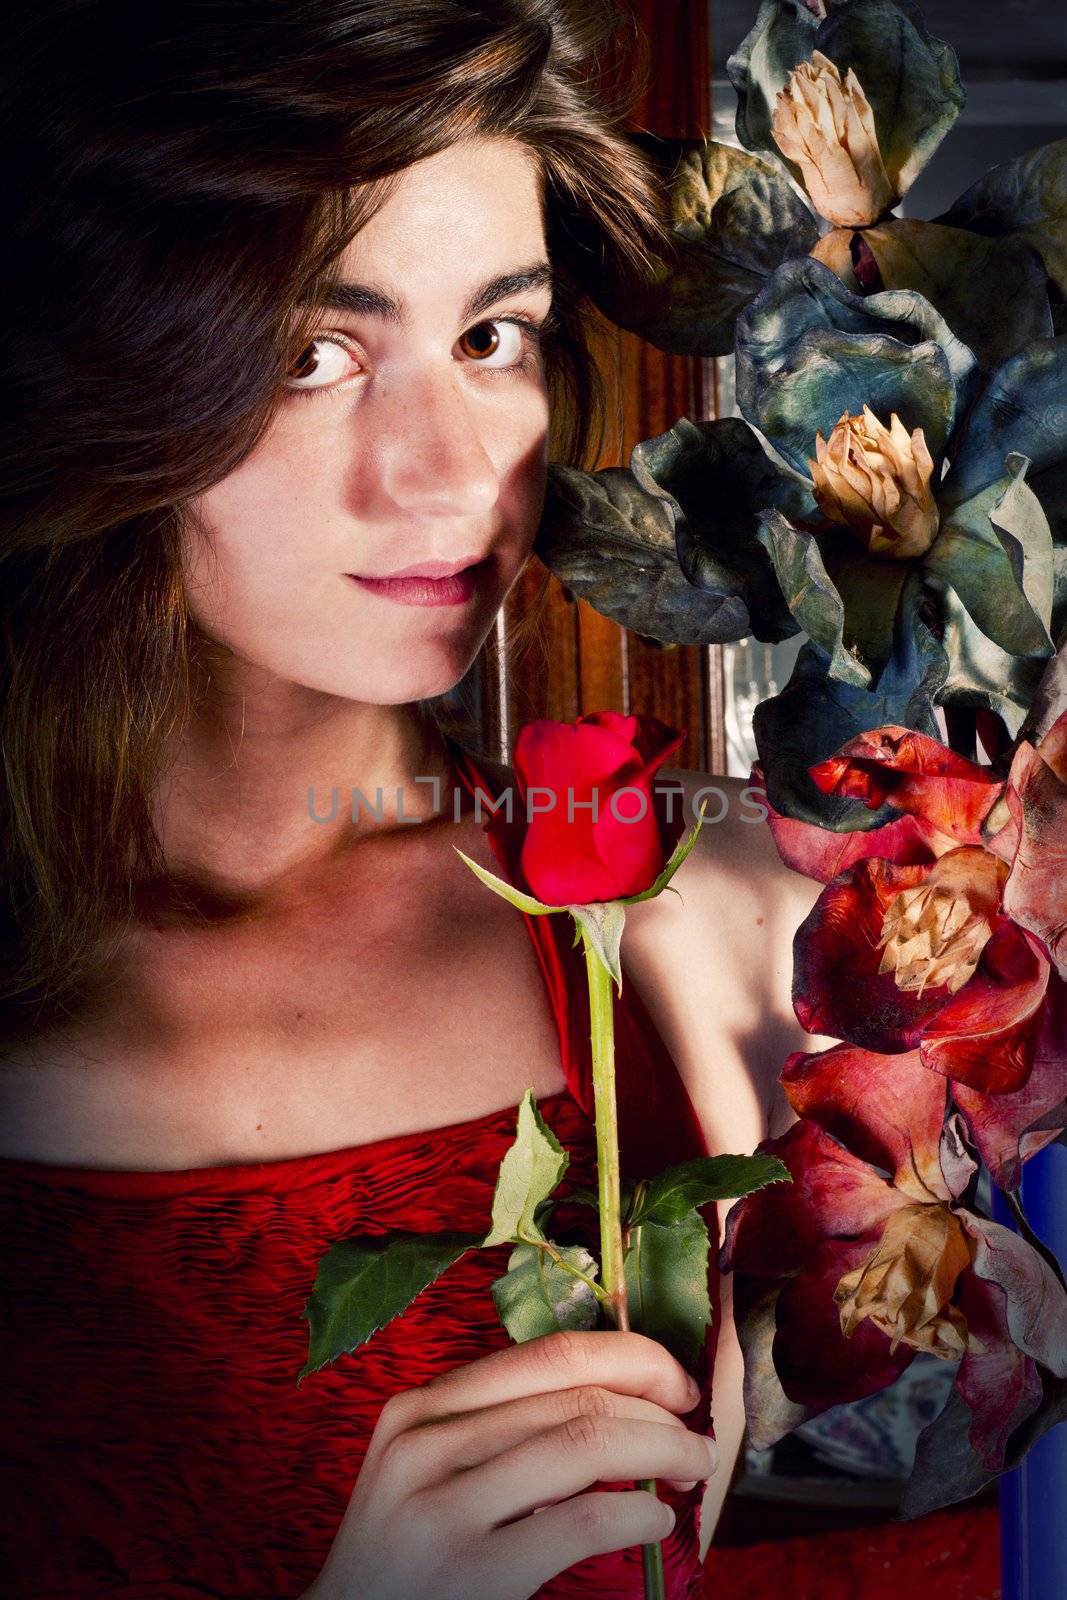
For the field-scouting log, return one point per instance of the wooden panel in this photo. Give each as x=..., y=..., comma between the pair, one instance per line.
x=584, y=662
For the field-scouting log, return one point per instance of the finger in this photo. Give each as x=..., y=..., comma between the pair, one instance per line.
x=426, y=1454
x=537, y=1548
x=575, y=1455
x=628, y=1363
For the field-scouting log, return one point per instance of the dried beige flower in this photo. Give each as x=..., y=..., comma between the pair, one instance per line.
x=825, y=125
x=905, y=1284
x=935, y=932
x=876, y=480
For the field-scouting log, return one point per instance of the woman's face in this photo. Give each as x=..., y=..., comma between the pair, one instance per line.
x=412, y=431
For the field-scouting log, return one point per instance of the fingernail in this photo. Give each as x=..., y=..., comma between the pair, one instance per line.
x=713, y=1449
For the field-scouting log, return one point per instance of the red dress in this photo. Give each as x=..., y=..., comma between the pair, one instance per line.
x=156, y=1444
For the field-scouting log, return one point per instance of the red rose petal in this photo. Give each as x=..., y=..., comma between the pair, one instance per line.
x=888, y=1110
x=985, y=1034
x=774, y=1231
x=816, y=1364
x=1007, y=1129
x=837, y=988
x=916, y=774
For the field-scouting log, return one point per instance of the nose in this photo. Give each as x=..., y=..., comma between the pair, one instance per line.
x=433, y=455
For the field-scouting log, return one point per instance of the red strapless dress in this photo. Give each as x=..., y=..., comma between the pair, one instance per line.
x=157, y=1445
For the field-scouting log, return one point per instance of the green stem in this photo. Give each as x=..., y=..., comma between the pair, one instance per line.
x=568, y=1266
x=612, y=1256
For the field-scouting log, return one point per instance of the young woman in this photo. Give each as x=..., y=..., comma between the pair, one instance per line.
x=297, y=300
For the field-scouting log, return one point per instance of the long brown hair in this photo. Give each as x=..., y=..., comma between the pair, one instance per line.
x=180, y=176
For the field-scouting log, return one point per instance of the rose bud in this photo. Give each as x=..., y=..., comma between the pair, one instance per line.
x=826, y=126
x=905, y=1285
x=876, y=481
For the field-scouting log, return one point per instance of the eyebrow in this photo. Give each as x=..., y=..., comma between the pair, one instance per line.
x=365, y=301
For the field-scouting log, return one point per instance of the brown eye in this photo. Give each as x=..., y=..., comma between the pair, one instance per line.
x=321, y=363
x=305, y=364
x=481, y=341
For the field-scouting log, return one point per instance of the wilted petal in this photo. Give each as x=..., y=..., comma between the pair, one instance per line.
x=814, y=715
x=958, y=1166
x=734, y=220
x=888, y=1110
x=906, y=1283
x=1036, y=1301
x=985, y=1035
x=960, y=272
x=769, y=1413
x=821, y=854
x=1000, y=1385
x=809, y=351
x=917, y=775
x=837, y=986
x=1007, y=1129
x=1036, y=893
x=934, y=933
x=817, y=1365
x=774, y=1231
x=1053, y=747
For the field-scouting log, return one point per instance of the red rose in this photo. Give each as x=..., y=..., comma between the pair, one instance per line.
x=582, y=860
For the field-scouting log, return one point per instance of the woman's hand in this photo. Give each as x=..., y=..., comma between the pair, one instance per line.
x=472, y=1484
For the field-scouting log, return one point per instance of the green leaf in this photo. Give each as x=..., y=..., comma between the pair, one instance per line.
x=963, y=275
x=1025, y=197
x=1023, y=411
x=536, y=1295
x=981, y=674
x=911, y=79
x=590, y=1197
x=362, y=1284
x=735, y=220
x=602, y=923
x=612, y=543
x=507, y=891
x=810, y=594
x=530, y=1170
x=996, y=551
x=667, y=1286
x=808, y=351
x=670, y=1196
x=716, y=476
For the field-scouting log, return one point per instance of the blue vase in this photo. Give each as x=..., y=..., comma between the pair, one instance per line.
x=1033, y=1496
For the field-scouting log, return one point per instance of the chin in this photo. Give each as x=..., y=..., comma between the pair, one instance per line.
x=398, y=689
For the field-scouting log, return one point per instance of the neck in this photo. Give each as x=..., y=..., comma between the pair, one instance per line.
x=247, y=807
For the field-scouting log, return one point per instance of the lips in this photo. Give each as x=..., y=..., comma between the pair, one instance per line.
x=424, y=569
x=421, y=591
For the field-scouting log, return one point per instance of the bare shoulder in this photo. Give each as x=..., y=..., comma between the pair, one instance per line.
x=735, y=853
x=713, y=962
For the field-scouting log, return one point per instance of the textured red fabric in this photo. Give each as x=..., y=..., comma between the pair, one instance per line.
x=953, y=1554
x=158, y=1447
